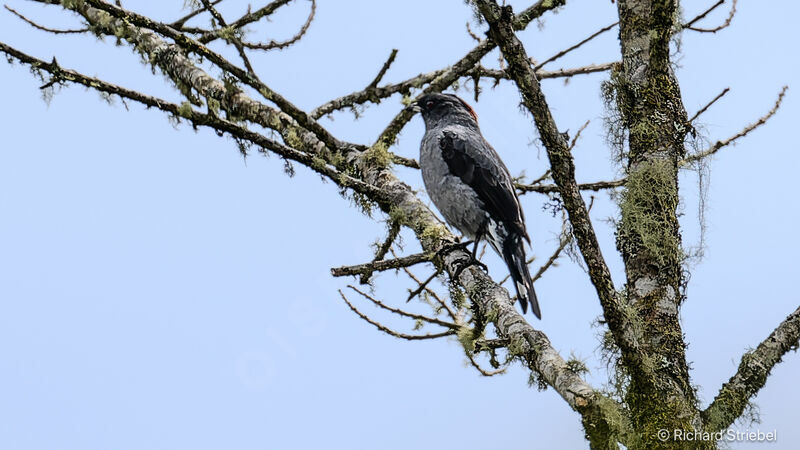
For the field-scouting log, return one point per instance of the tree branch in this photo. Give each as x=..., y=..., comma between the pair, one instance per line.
x=752, y=374
x=576, y=46
x=708, y=105
x=389, y=331
x=724, y=24
x=563, y=168
x=41, y=27
x=745, y=131
x=400, y=312
x=380, y=266
x=561, y=163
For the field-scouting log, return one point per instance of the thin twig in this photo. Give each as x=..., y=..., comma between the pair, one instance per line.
x=235, y=40
x=383, y=70
x=43, y=28
x=389, y=331
x=745, y=131
x=179, y=23
x=423, y=285
x=724, y=25
x=394, y=230
x=703, y=14
x=481, y=370
x=708, y=105
x=400, y=312
x=576, y=46
x=283, y=44
x=578, y=135
x=430, y=291
x=247, y=19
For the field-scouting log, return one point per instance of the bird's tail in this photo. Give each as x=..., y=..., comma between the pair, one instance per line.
x=514, y=256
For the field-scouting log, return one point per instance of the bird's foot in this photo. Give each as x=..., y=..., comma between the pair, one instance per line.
x=470, y=262
x=462, y=264
x=447, y=248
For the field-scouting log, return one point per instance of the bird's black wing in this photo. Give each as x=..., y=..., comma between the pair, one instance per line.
x=479, y=166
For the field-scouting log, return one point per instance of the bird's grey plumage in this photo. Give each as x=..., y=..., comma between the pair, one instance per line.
x=472, y=188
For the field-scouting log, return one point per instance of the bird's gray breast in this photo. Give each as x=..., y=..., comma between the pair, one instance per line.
x=456, y=201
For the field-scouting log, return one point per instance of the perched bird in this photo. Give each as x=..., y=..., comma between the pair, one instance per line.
x=471, y=186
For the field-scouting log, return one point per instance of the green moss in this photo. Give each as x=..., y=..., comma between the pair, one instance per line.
x=432, y=234
x=291, y=138
x=185, y=110
x=72, y=4
x=378, y=155
x=466, y=337
x=648, y=206
x=607, y=424
x=576, y=365
x=398, y=215
x=213, y=105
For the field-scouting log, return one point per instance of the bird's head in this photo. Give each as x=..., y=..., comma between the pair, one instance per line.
x=438, y=108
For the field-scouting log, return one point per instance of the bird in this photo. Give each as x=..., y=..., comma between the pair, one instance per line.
x=471, y=187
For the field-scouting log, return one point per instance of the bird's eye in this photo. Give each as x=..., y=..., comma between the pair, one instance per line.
x=429, y=104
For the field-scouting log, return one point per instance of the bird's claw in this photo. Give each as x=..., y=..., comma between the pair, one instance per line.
x=471, y=262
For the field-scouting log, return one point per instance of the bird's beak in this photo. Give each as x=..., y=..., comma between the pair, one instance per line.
x=414, y=107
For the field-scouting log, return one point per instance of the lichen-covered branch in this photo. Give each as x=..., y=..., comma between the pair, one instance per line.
x=380, y=266
x=752, y=374
x=548, y=188
x=311, y=145
x=563, y=172
x=648, y=99
x=375, y=94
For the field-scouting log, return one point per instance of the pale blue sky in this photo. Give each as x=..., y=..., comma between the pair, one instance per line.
x=157, y=292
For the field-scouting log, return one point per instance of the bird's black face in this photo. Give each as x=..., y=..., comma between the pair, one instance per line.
x=434, y=107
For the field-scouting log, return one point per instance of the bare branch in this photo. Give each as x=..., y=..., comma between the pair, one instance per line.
x=708, y=105
x=703, y=14
x=443, y=304
x=752, y=374
x=725, y=24
x=544, y=74
x=394, y=231
x=376, y=94
x=400, y=312
x=247, y=19
x=577, y=136
x=389, y=331
x=236, y=41
x=178, y=24
x=564, y=240
x=576, y=46
x=382, y=72
x=745, y=131
x=424, y=285
x=481, y=370
x=283, y=44
x=43, y=28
